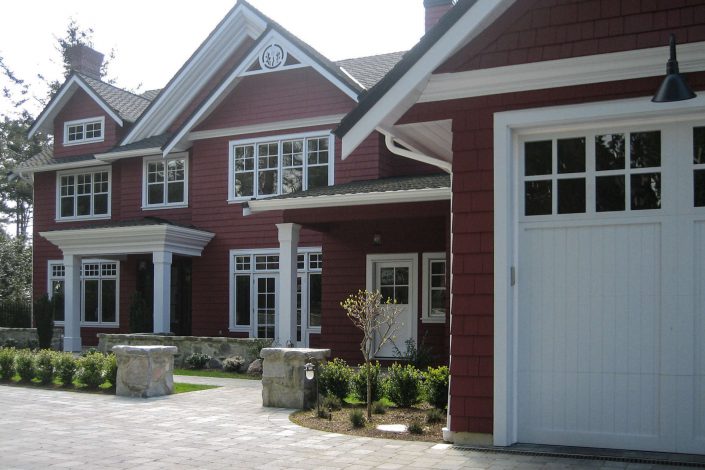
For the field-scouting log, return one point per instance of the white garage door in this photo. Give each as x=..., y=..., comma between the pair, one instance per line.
x=611, y=288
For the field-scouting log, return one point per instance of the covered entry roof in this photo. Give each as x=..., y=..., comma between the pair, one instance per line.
x=144, y=235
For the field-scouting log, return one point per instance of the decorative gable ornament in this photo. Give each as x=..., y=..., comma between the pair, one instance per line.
x=273, y=56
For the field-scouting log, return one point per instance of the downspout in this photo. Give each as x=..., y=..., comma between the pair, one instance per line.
x=418, y=156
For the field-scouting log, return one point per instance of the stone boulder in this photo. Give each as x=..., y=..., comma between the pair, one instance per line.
x=144, y=371
x=255, y=368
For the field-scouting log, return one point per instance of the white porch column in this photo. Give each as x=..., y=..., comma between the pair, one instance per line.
x=286, y=318
x=162, y=291
x=72, y=303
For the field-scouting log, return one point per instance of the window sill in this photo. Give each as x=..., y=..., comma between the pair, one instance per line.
x=165, y=206
x=239, y=329
x=83, y=142
x=83, y=218
x=432, y=320
x=99, y=325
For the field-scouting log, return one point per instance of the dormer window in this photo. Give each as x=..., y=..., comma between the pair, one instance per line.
x=84, y=131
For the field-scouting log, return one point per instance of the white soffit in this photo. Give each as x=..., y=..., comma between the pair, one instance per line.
x=239, y=25
x=600, y=68
x=430, y=138
x=128, y=240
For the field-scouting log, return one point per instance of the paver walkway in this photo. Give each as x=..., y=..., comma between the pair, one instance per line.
x=213, y=429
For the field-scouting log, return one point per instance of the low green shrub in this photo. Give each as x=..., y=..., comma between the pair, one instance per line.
x=436, y=386
x=7, y=363
x=110, y=368
x=403, y=385
x=357, y=418
x=435, y=415
x=233, y=364
x=197, y=360
x=44, y=363
x=65, y=367
x=359, y=382
x=11, y=343
x=334, y=378
x=24, y=364
x=416, y=427
x=90, y=370
x=378, y=408
x=331, y=403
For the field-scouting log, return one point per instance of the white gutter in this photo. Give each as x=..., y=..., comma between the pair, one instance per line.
x=60, y=166
x=112, y=156
x=347, y=200
x=413, y=155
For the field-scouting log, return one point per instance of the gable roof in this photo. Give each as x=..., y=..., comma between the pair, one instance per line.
x=370, y=69
x=121, y=105
x=400, y=88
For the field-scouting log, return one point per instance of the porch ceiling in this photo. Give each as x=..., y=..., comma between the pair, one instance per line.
x=142, y=236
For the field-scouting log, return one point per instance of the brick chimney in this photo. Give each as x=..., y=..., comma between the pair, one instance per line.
x=85, y=60
x=435, y=9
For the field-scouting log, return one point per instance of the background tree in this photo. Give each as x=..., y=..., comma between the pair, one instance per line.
x=378, y=322
x=15, y=269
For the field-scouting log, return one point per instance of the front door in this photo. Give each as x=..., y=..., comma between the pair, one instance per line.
x=181, y=297
x=265, y=305
x=395, y=278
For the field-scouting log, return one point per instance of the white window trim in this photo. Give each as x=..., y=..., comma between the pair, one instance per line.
x=277, y=138
x=165, y=205
x=509, y=126
x=84, y=122
x=83, y=171
x=50, y=278
x=250, y=329
x=427, y=258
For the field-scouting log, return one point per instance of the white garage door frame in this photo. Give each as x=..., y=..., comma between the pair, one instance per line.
x=509, y=127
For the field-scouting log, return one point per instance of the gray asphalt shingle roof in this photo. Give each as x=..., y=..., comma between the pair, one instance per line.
x=127, y=105
x=369, y=70
x=45, y=158
x=156, y=141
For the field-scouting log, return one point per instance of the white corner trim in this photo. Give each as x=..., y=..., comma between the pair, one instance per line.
x=59, y=101
x=112, y=156
x=598, y=68
x=266, y=127
x=347, y=200
x=404, y=93
x=509, y=126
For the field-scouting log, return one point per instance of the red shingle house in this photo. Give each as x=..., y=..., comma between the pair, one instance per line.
x=151, y=194
x=578, y=215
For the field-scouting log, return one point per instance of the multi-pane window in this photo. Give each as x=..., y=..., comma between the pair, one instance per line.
x=84, y=194
x=434, y=288
x=603, y=172
x=89, y=130
x=256, y=292
x=99, y=291
x=699, y=166
x=166, y=182
x=271, y=167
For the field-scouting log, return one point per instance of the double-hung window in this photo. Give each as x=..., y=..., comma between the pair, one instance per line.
x=280, y=165
x=84, y=194
x=84, y=131
x=165, y=182
x=99, y=291
x=435, y=288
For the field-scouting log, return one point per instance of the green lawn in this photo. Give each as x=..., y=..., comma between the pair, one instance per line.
x=184, y=388
x=214, y=373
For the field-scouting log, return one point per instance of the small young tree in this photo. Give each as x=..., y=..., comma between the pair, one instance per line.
x=377, y=320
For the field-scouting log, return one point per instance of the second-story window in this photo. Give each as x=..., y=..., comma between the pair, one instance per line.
x=84, y=131
x=83, y=194
x=279, y=165
x=165, y=182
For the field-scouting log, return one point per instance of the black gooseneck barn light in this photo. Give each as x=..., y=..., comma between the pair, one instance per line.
x=674, y=86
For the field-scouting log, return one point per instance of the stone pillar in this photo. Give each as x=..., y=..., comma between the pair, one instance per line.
x=144, y=371
x=286, y=319
x=72, y=303
x=162, y=291
x=284, y=383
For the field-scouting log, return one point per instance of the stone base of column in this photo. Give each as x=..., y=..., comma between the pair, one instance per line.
x=144, y=371
x=72, y=344
x=284, y=383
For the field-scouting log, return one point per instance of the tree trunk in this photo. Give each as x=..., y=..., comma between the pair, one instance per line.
x=369, y=391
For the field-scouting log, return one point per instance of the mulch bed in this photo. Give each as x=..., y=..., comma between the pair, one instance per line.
x=340, y=423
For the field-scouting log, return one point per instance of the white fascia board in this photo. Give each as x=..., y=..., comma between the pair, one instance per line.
x=61, y=166
x=230, y=83
x=405, y=92
x=267, y=127
x=347, y=200
x=112, y=156
x=59, y=101
x=600, y=68
x=127, y=240
x=240, y=24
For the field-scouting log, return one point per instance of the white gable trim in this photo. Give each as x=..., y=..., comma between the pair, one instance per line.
x=404, y=93
x=241, y=23
x=46, y=119
x=266, y=127
x=272, y=37
x=600, y=68
x=112, y=156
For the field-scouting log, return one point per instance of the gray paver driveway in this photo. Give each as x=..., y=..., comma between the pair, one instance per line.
x=219, y=428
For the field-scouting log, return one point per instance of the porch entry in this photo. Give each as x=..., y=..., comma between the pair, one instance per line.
x=394, y=275
x=180, y=320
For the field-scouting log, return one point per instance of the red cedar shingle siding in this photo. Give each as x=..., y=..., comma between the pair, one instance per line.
x=82, y=106
x=539, y=30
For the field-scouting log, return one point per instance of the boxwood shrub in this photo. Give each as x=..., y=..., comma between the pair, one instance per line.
x=7, y=363
x=334, y=378
x=403, y=385
x=359, y=382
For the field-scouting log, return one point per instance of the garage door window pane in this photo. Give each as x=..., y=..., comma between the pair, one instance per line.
x=646, y=191
x=699, y=145
x=571, y=196
x=699, y=172
x=610, y=193
x=699, y=185
x=645, y=149
x=609, y=152
x=537, y=200
x=537, y=158
x=571, y=155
